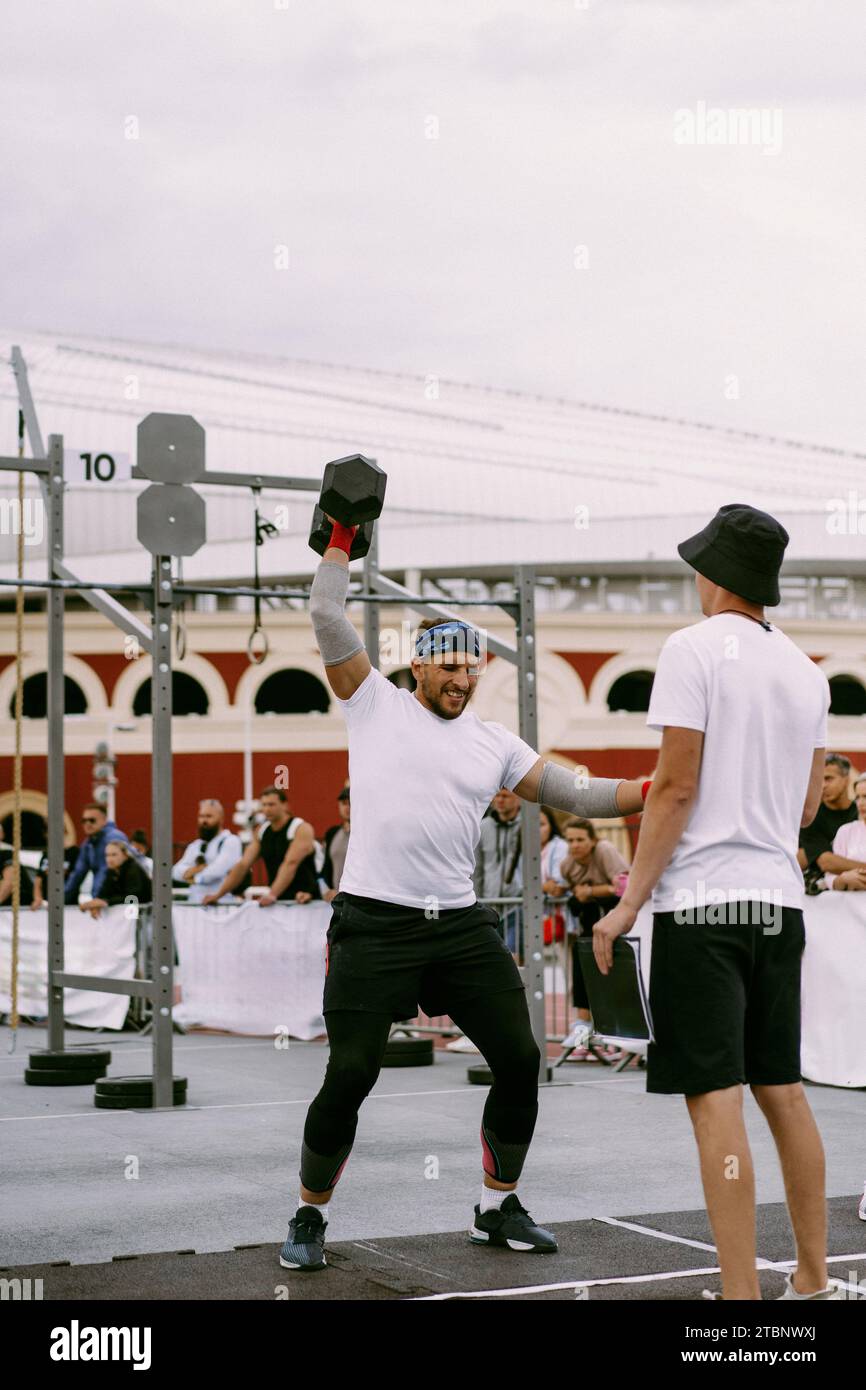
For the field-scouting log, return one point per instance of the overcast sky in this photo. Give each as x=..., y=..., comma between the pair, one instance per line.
x=492, y=192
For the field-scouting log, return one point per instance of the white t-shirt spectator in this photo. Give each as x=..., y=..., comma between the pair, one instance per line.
x=762, y=707
x=552, y=856
x=850, y=843
x=420, y=787
x=221, y=854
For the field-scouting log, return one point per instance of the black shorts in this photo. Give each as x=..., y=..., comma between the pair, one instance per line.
x=725, y=1002
x=386, y=958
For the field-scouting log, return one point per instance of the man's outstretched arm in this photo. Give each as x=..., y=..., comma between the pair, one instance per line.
x=597, y=798
x=667, y=815
x=346, y=662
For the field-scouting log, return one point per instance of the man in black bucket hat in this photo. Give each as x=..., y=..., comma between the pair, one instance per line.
x=743, y=714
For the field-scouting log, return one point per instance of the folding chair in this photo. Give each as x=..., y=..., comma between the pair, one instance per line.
x=618, y=1004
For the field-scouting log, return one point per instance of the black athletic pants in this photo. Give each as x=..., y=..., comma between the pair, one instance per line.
x=499, y=1026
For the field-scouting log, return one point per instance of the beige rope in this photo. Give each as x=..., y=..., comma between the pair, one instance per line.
x=19, y=705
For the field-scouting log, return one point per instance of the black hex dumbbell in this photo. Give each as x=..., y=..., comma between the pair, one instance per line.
x=353, y=493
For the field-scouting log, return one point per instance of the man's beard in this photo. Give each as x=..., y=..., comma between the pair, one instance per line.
x=207, y=832
x=437, y=701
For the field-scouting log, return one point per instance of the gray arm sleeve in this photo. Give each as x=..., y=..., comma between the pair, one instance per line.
x=594, y=797
x=337, y=639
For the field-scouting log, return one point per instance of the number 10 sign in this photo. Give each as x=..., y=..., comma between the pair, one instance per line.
x=95, y=466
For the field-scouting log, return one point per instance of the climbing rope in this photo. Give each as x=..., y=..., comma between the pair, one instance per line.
x=19, y=706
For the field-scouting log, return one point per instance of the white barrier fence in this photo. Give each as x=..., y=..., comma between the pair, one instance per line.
x=833, y=1048
x=92, y=946
x=251, y=969
x=246, y=969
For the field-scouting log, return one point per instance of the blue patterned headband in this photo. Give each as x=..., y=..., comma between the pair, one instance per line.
x=448, y=637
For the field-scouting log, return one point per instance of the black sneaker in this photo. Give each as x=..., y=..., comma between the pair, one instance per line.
x=305, y=1244
x=512, y=1226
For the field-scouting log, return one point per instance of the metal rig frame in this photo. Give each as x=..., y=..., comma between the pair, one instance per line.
x=165, y=596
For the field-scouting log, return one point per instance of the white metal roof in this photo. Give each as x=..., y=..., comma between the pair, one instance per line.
x=479, y=478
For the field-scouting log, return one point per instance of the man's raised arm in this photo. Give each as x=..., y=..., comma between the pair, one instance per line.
x=346, y=662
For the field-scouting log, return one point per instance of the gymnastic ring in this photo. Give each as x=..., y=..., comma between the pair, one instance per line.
x=255, y=657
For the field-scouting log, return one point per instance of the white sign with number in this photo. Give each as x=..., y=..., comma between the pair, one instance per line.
x=96, y=466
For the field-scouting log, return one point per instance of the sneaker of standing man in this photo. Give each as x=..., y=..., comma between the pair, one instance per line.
x=743, y=715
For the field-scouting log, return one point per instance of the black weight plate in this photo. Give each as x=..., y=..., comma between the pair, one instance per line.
x=135, y=1085
x=62, y=1078
x=130, y=1102
x=408, y=1046
x=84, y=1059
x=408, y=1059
x=479, y=1076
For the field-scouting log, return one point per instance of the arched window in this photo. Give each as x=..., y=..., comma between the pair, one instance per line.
x=188, y=696
x=403, y=679
x=34, y=703
x=292, y=692
x=33, y=830
x=847, y=695
x=631, y=692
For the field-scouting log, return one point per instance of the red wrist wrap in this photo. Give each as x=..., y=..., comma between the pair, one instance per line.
x=342, y=537
x=644, y=789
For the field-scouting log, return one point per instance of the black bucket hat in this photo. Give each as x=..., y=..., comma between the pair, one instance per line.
x=742, y=550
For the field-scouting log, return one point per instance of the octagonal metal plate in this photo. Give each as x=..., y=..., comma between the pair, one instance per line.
x=171, y=448
x=171, y=519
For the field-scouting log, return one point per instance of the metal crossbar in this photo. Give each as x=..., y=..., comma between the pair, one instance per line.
x=248, y=591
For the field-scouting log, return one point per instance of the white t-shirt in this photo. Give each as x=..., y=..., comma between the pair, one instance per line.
x=420, y=787
x=552, y=856
x=850, y=843
x=762, y=706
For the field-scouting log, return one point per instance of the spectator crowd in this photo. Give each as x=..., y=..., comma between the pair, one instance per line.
x=108, y=867
x=583, y=874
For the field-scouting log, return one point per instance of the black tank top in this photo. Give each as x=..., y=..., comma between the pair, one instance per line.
x=275, y=844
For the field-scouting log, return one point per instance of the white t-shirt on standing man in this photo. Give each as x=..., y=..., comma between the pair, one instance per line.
x=762, y=706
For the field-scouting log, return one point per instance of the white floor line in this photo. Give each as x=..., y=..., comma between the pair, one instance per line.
x=659, y=1235
x=237, y=1105
x=597, y=1081
x=760, y=1262
x=64, y=1115
x=385, y=1095
x=464, y=1090
x=399, y=1259
x=568, y=1284
x=107, y=1043
x=623, y=1279
x=783, y=1266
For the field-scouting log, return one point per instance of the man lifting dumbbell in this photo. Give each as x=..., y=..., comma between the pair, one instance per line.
x=406, y=929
